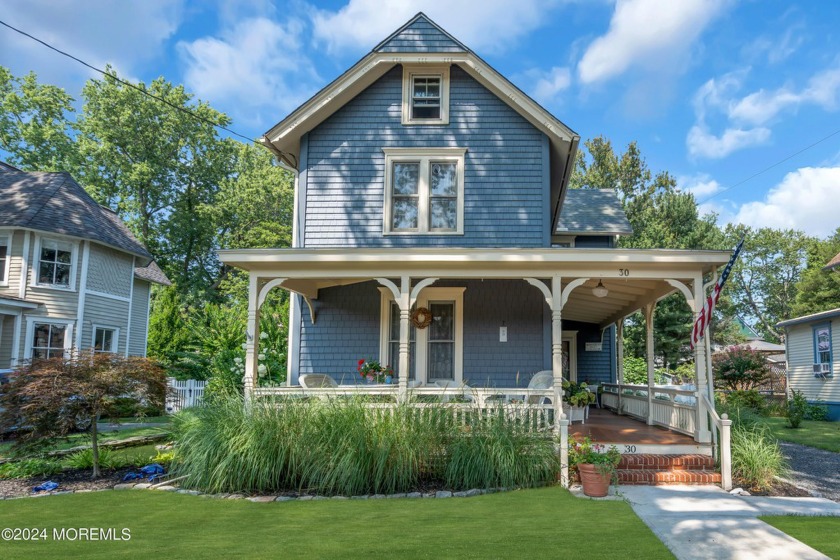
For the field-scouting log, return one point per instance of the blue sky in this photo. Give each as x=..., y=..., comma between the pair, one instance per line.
x=714, y=91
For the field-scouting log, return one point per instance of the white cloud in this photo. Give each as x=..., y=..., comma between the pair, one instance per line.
x=777, y=49
x=701, y=185
x=548, y=84
x=804, y=200
x=654, y=34
x=702, y=143
x=483, y=25
x=123, y=34
x=762, y=106
x=255, y=65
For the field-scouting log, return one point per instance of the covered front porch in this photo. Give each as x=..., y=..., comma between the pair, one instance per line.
x=597, y=287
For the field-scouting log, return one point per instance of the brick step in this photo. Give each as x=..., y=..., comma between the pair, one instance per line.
x=658, y=477
x=648, y=461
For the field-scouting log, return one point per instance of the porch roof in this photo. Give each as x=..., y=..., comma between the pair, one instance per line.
x=633, y=277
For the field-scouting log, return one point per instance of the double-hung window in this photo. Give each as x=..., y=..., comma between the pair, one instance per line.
x=424, y=190
x=823, y=351
x=105, y=339
x=55, y=263
x=425, y=94
x=4, y=260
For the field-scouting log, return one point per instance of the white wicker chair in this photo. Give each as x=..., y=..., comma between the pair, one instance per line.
x=317, y=381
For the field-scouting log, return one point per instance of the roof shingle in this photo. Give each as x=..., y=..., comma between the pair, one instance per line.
x=592, y=212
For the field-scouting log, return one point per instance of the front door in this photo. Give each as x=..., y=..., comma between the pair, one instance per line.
x=569, y=358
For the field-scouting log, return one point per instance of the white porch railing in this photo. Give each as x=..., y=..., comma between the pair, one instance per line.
x=675, y=409
x=184, y=393
x=724, y=427
x=530, y=408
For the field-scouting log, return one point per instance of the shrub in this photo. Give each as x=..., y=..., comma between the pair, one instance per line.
x=740, y=369
x=797, y=407
x=107, y=459
x=817, y=411
x=756, y=457
x=635, y=372
x=29, y=467
x=345, y=447
x=751, y=399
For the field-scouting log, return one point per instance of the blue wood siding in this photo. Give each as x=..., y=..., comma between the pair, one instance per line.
x=505, y=167
x=420, y=36
x=347, y=330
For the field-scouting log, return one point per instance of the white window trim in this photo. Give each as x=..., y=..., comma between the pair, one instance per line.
x=115, y=340
x=411, y=71
x=422, y=336
x=7, y=236
x=30, y=333
x=36, y=263
x=424, y=156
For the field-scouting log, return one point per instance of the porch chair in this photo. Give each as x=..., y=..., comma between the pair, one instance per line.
x=450, y=384
x=317, y=381
x=540, y=381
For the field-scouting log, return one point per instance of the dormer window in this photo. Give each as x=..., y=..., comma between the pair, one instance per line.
x=425, y=95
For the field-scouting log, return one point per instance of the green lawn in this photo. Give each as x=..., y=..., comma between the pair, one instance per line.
x=823, y=435
x=542, y=523
x=817, y=532
x=76, y=440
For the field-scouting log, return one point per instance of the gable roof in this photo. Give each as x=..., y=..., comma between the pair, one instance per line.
x=406, y=46
x=592, y=212
x=55, y=203
x=833, y=263
x=420, y=34
x=152, y=273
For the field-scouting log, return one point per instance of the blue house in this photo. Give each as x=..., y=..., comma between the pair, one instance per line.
x=434, y=231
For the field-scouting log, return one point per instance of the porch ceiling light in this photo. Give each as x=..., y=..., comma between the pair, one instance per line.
x=600, y=290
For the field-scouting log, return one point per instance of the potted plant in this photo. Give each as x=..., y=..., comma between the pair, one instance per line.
x=579, y=397
x=595, y=465
x=374, y=372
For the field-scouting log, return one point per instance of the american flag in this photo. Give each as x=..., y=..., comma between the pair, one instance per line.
x=705, y=317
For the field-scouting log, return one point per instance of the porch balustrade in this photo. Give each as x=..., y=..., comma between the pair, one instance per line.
x=675, y=409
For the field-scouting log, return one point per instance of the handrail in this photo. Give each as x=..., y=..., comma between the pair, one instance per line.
x=724, y=426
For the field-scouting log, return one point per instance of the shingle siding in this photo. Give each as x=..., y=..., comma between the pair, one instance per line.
x=420, y=36
x=110, y=271
x=504, y=169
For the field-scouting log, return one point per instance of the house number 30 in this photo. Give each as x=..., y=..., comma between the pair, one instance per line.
x=624, y=272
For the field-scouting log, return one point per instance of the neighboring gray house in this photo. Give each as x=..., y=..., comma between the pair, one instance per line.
x=71, y=273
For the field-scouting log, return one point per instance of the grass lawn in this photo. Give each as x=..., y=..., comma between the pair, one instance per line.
x=542, y=523
x=817, y=532
x=823, y=435
x=76, y=440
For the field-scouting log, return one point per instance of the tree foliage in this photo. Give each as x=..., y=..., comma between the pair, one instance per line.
x=740, y=369
x=48, y=398
x=818, y=289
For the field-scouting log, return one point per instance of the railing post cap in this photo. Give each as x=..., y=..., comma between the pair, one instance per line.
x=724, y=416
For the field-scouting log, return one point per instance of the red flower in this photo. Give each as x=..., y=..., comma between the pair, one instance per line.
x=361, y=361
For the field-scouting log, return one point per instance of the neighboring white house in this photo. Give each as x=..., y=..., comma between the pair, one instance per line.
x=813, y=365
x=71, y=273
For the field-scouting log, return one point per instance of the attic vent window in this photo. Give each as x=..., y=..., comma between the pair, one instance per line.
x=425, y=95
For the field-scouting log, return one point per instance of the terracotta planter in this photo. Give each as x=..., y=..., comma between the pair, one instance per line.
x=595, y=483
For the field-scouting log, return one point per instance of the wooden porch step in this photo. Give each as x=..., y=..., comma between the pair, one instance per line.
x=666, y=462
x=659, y=477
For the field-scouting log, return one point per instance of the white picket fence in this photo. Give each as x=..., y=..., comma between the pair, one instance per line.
x=184, y=394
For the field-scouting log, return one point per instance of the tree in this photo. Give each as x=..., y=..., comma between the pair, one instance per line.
x=740, y=369
x=766, y=276
x=818, y=290
x=48, y=397
x=34, y=129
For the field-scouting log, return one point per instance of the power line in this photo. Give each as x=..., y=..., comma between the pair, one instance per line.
x=769, y=167
x=129, y=84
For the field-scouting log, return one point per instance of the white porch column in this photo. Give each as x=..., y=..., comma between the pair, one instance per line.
x=649, y=308
x=703, y=434
x=405, y=328
x=252, y=338
x=561, y=421
x=619, y=366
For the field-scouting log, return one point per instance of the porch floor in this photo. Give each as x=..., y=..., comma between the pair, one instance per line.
x=605, y=426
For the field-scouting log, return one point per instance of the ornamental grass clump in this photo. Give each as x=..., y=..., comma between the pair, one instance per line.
x=756, y=457
x=348, y=447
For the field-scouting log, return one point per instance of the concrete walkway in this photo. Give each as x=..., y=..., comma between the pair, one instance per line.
x=707, y=522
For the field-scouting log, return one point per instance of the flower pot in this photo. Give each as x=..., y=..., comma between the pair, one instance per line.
x=596, y=483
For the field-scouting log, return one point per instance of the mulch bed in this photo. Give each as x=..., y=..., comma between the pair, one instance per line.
x=780, y=489
x=67, y=480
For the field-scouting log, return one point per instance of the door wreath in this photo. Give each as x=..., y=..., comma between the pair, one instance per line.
x=421, y=317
